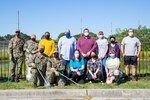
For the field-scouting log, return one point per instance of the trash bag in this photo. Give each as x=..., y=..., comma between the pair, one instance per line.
x=28, y=74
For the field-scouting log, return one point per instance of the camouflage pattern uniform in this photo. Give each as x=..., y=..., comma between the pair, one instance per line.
x=31, y=46
x=51, y=76
x=15, y=49
x=42, y=64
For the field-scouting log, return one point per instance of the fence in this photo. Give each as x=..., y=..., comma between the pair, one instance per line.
x=143, y=65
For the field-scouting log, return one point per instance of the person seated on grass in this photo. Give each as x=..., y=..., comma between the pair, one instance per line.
x=93, y=66
x=113, y=71
x=77, y=67
x=53, y=71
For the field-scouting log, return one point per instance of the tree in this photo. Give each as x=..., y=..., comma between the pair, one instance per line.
x=60, y=35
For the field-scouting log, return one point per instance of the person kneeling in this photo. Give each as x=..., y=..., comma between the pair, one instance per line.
x=93, y=67
x=53, y=71
x=112, y=68
x=77, y=67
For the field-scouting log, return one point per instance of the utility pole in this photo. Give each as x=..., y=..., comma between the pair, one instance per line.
x=111, y=28
x=18, y=20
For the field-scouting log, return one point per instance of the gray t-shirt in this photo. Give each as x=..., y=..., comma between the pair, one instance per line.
x=101, y=46
x=130, y=44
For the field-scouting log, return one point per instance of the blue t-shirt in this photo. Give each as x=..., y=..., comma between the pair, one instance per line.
x=77, y=64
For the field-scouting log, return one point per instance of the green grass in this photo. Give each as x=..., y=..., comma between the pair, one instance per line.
x=23, y=84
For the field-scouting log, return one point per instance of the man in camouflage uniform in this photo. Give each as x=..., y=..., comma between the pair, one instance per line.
x=52, y=72
x=31, y=48
x=16, y=54
x=40, y=61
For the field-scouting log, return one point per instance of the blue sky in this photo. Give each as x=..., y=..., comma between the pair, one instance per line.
x=38, y=16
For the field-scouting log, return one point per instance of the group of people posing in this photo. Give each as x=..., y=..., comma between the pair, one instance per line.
x=82, y=60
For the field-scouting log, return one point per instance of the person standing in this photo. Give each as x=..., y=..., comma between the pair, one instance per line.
x=66, y=48
x=31, y=48
x=86, y=44
x=131, y=48
x=16, y=56
x=49, y=44
x=113, y=45
x=102, y=44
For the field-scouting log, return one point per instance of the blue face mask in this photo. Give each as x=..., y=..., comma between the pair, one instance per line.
x=112, y=55
x=67, y=35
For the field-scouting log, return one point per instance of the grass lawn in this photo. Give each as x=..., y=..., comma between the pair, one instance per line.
x=23, y=84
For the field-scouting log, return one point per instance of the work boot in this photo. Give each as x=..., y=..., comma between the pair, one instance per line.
x=35, y=85
x=17, y=80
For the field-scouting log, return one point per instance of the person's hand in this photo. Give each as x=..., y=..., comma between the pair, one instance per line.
x=95, y=75
x=123, y=54
x=53, y=69
x=78, y=73
x=33, y=65
x=137, y=55
x=27, y=50
x=99, y=57
x=102, y=56
x=84, y=55
x=56, y=73
x=88, y=54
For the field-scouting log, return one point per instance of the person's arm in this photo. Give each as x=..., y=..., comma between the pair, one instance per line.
x=117, y=51
x=78, y=46
x=123, y=47
x=52, y=49
x=94, y=46
x=105, y=51
x=59, y=46
x=139, y=47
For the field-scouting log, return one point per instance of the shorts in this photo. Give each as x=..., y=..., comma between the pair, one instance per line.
x=130, y=60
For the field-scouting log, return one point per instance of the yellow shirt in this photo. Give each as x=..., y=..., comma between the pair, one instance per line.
x=49, y=46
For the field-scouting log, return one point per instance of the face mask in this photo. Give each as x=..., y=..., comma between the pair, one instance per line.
x=100, y=36
x=47, y=37
x=17, y=34
x=112, y=42
x=130, y=33
x=112, y=55
x=76, y=55
x=33, y=39
x=41, y=50
x=56, y=54
x=86, y=34
x=67, y=35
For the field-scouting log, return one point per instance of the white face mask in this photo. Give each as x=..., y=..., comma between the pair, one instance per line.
x=100, y=36
x=86, y=34
x=76, y=55
x=130, y=33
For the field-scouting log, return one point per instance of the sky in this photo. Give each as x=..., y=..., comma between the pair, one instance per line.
x=55, y=16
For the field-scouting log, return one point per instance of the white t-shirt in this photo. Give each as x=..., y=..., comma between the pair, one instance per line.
x=101, y=46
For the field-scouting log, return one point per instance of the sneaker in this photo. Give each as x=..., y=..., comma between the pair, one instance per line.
x=17, y=80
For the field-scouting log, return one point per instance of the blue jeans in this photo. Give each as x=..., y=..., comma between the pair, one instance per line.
x=103, y=61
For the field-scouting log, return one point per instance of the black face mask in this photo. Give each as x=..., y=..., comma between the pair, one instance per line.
x=56, y=54
x=42, y=50
x=47, y=37
x=17, y=34
x=112, y=42
x=33, y=39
